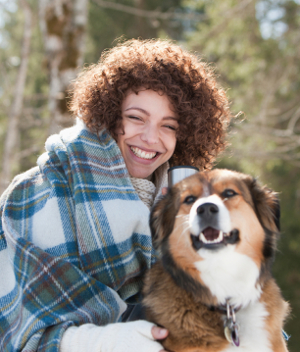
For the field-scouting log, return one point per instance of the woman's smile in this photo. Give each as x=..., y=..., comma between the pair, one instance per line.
x=149, y=137
x=143, y=154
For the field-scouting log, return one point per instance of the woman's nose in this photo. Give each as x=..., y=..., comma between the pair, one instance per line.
x=150, y=135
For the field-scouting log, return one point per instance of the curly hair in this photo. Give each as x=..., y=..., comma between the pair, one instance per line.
x=202, y=107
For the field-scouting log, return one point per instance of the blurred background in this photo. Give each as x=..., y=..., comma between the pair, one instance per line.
x=253, y=45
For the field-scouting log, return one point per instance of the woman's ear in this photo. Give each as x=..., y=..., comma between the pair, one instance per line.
x=163, y=214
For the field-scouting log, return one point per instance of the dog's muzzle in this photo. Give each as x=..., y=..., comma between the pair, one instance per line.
x=210, y=224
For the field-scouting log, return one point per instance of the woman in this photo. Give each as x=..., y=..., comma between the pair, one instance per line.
x=74, y=235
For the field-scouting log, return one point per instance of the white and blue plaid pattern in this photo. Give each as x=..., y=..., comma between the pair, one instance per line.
x=74, y=242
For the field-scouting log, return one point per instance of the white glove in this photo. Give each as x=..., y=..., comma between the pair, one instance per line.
x=133, y=336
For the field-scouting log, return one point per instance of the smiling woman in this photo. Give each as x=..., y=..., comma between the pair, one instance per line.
x=148, y=138
x=199, y=104
x=74, y=235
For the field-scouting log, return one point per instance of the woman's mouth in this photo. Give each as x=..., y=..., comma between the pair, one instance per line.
x=143, y=154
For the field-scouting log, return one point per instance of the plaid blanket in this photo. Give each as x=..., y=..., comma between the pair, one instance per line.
x=74, y=242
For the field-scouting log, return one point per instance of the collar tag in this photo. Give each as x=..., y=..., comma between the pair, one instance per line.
x=230, y=326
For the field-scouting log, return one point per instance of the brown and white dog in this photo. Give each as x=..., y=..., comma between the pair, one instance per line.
x=212, y=287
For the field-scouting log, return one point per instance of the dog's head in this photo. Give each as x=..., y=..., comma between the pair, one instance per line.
x=216, y=232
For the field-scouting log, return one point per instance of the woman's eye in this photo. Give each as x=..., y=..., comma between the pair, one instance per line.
x=134, y=118
x=172, y=128
x=190, y=200
x=229, y=193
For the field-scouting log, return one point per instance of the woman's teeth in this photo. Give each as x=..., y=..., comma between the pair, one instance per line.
x=142, y=154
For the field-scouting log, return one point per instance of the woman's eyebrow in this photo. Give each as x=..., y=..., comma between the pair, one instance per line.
x=148, y=114
x=140, y=109
x=171, y=118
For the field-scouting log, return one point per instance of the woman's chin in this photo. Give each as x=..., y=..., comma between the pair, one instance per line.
x=140, y=173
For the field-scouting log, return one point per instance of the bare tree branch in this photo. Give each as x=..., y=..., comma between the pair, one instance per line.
x=11, y=141
x=294, y=119
x=34, y=97
x=29, y=151
x=63, y=25
x=150, y=14
x=226, y=17
x=263, y=156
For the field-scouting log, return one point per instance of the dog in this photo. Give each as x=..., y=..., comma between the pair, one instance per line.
x=212, y=287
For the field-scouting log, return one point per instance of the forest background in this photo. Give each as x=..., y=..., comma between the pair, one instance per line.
x=254, y=46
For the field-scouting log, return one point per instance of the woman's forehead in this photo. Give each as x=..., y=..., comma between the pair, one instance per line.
x=148, y=102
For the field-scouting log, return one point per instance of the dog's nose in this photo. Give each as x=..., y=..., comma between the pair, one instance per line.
x=207, y=209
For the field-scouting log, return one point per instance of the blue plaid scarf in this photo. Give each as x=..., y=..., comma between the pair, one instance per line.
x=74, y=242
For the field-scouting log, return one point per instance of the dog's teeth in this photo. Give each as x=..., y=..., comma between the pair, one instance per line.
x=220, y=238
x=216, y=240
x=202, y=238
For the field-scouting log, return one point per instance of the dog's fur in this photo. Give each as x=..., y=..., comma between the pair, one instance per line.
x=192, y=280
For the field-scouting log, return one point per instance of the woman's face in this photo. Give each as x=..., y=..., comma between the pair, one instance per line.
x=149, y=137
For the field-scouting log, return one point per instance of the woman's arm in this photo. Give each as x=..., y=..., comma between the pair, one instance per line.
x=134, y=336
x=74, y=240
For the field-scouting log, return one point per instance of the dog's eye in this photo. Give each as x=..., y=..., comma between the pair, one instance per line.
x=190, y=200
x=229, y=193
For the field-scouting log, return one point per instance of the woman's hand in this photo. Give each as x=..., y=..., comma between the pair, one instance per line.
x=159, y=334
x=135, y=336
x=164, y=191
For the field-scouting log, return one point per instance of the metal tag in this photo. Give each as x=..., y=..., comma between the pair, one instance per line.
x=227, y=334
x=231, y=328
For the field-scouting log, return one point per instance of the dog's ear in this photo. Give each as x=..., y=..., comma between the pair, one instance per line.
x=267, y=208
x=266, y=204
x=163, y=214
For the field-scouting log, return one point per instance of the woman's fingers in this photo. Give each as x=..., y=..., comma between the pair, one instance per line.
x=159, y=333
x=164, y=190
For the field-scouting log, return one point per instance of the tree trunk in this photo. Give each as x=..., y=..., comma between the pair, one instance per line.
x=63, y=25
x=10, y=155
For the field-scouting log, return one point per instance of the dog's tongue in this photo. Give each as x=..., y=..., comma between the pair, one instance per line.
x=210, y=233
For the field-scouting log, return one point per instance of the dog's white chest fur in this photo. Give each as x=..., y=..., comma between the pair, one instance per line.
x=229, y=275
x=252, y=331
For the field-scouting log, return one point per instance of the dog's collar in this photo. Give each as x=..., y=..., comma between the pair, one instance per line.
x=222, y=308
x=230, y=326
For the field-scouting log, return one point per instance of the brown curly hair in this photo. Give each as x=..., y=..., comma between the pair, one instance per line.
x=162, y=66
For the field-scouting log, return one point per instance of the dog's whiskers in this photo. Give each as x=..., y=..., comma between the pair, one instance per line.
x=181, y=225
x=184, y=225
x=181, y=216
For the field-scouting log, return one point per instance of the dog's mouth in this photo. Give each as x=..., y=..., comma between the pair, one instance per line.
x=211, y=238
